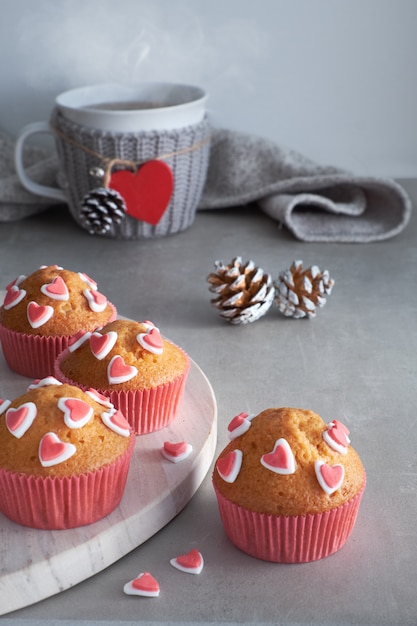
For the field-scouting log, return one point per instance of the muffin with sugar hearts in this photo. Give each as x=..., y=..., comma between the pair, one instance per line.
x=129, y=362
x=288, y=485
x=43, y=311
x=64, y=457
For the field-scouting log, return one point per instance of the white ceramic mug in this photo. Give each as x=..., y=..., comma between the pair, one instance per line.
x=161, y=113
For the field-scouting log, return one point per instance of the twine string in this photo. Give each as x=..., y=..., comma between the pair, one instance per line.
x=110, y=163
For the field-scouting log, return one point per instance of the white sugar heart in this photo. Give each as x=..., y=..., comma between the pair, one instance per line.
x=143, y=585
x=38, y=314
x=190, y=563
x=90, y=282
x=151, y=341
x=77, y=413
x=53, y=451
x=102, y=344
x=281, y=460
x=4, y=404
x=96, y=300
x=229, y=466
x=20, y=419
x=57, y=289
x=176, y=452
x=336, y=436
x=119, y=372
x=13, y=296
x=239, y=425
x=116, y=421
x=330, y=477
x=44, y=382
x=99, y=397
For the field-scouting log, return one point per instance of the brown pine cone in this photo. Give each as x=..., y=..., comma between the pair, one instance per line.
x=299, y=293
x=243, y=291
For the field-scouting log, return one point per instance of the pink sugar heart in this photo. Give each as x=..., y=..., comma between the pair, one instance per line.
x=119, y=372
x=339, y=433
x=229, y=466
x=330, y=477
x=102, y=344
x=176, y=451
x=239, y=425
x=96, y=300
x=57, y=289
x=76, y=412
x=147, y=192
x=143, y=585
x=116, y=421
x=13, y=296
x=77, y=340
x=281, y=459
x=90, y=282
x=53, y=451
x=19, y=420
x=4, y=404
x=191, y=563
x=151, y=341
x=39, y=314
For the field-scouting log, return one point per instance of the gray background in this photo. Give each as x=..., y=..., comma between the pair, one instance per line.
x=332, y=79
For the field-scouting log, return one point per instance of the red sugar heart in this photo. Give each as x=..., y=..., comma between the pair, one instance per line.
x=53, y=451
x=175, y=449
x=339, y=433
x=237, y=421
x=229, y=465
x=19, y=420
x=119, y=420
x=39, y=314
x=144, y=585
x=76, y=412
x=190, y=560
x=119, y=372
x=13, y=296
x=151, y=340
x=116, y=421
x=102, y=344
x=57, y=289
x=147, y=192
x=281, y=459
x=330, y=477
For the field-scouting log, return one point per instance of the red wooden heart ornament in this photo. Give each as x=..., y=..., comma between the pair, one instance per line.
x=147, y=192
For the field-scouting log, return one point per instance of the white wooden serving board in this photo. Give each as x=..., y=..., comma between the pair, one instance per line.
x=36, y=564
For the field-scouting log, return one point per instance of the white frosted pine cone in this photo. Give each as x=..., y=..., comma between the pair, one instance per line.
x=300, y=292
x=244, y=292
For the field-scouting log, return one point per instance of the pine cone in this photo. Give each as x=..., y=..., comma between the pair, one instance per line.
x=244, y=292
x=101, y=208
x=300, y=292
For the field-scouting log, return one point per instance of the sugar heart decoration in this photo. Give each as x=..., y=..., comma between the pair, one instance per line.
x=44, y=382
x=57, y=289
x=16, y=281
x=119, y=372
x=330, y=477
x=20, y=419
x=53, y=451
x=337, y=436
x=151, y=341
x=281, y=460
x=143, y=585
x=99, y=397
x=13, y=296
x=96, y=300
x=147, y=192
x=4, y=404
x=190, y=563
x=39, y=314
x=90, y=282
x=176, y=452
x=77, y=413
x=77, y=340
x=102, y=344
x=229, y=466
x=116, y=421
x=239, y=425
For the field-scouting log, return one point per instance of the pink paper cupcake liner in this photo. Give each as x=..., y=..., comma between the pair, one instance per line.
x=146, y=410
x=288, y=539
x=34, y=355
x=54, y=503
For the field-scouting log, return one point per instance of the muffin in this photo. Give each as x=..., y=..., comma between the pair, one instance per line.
x=40, y=313
x=129, y=362
x=288, y=485
x=64, y=457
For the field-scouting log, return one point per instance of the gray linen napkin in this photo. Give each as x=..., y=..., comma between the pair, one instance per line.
x=316, y=203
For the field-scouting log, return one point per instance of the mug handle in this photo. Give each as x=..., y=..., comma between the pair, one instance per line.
x=30, y=185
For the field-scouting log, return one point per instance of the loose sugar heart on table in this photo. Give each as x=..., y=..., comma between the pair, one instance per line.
x=147, y=192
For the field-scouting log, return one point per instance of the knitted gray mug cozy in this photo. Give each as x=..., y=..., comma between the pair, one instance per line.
x=84, y=152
